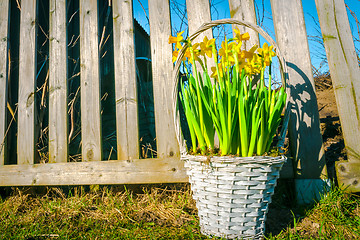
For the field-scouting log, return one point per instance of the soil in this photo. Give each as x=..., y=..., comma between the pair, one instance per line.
x=283, y=209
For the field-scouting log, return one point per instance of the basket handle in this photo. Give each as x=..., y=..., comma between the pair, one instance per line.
x=209, y=25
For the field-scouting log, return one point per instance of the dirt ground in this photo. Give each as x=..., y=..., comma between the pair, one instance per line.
x=283, y=209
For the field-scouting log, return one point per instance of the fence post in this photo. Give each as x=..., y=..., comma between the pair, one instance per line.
x=4, y=22
x=90, y=84
x=58, y=130
x=304, y=126
x=245, y=11
x=345, y=72
x=27, y=83
x=125, y=81
x=161, y=55
x=198, y=12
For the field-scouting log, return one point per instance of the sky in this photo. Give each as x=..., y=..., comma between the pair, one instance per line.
x=220, y=9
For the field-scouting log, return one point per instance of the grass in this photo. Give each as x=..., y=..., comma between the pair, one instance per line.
x=150, y=212
x=335, y=216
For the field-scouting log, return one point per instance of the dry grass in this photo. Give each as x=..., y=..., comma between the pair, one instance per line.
x=156, y=212
x=104, y=213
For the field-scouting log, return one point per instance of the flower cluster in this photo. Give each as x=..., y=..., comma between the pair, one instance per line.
x=245, y=117
x=229, y=55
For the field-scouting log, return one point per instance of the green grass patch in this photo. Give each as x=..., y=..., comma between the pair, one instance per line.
x=335, y=216
x=155, y=212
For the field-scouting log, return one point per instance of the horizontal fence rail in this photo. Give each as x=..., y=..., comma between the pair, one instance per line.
x=74, y=74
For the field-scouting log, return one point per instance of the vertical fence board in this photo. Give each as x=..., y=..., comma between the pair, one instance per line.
x=27, y=81
x=245, y=11
x=58, y=149
x=90, y=84
x=345, y=72
x=161, y=55
x=198, y=12
x=304, y=117
x=4, y=16
x=125, y=81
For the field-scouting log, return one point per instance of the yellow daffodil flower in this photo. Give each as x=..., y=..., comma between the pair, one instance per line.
x=177, y=40
x=266, y=52
x=206, y=46
x=241, y=37
x=214, y=73
x=174, y=56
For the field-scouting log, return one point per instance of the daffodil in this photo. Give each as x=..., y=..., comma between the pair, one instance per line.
x=214, y=73
x=174, y=56
x=254, y=66
x=241, y=37
x=245, y=119
x=206, y=46
x=177, y=40
x=266, y=52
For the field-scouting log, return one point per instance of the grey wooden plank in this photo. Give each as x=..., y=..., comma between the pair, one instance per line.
x=125, y=81
x=58, y=145
x=304, y=125
x=134, y=171
x=4, y=22
x=161, y=56
x=198, y=12
x=245, y=11
x=348, y=175
x=345, y=72
x=27, y=72
x=90, y=84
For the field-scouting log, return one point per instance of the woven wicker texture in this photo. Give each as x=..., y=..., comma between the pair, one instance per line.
x=232, y=194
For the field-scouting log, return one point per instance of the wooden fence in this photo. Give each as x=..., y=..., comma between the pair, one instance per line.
x=304, y=130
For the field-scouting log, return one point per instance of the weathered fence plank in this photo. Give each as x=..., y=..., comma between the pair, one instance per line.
x=345, y=72
x=90, y=83
x=27, y=81
x=125, y=81
x=245, y=11
x=58, y=144
x=304, y=116
x=198, y=12
x=135, y=171
x=161, y=55
x=4, y=16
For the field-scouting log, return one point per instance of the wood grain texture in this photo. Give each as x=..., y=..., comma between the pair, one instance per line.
x=198, y=12
x=347, y=173
x=90, y=83
x=58, y=144
x=304, y=121
x=345, y=72
x=27, y=73
x=125, y=81
x=4, y=22
x=161, y=56
x=95, y=172
x=245, y=11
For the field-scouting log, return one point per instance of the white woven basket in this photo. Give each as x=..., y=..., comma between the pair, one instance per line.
x=232, y=194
